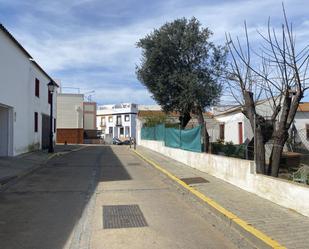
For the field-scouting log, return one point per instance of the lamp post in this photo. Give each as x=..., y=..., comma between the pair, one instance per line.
x=51, y=88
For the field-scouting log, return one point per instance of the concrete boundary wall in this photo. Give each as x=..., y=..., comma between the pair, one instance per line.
x=240, y=173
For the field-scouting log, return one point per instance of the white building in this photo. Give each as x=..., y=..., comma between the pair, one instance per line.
x=235, y=127
x=117, y=120
x=70, y=118
x=301, y=125
x=24, y=99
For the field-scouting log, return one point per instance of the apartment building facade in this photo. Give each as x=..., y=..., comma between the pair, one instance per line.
x=70, y=118
x=24, y=99
x=117, y=120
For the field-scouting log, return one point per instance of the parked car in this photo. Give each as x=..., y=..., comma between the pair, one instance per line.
x=126, y=142
x=117, y=141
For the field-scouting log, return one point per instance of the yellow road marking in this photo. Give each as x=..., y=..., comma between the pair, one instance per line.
x=257, y=233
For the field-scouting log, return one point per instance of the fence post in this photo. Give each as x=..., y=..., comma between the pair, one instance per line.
x=180, y=144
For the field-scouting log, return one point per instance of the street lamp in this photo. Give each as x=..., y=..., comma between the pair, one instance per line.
x=51, y=89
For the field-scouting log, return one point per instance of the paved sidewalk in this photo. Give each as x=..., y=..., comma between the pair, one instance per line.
x=285, y=226
x=13, y=167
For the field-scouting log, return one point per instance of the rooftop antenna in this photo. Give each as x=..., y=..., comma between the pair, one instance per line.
x=88, y=95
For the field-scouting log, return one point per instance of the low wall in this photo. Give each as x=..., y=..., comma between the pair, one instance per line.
x=240, y=173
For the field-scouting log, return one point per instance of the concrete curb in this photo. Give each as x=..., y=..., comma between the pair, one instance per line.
x=251, y=233
x=19, y=176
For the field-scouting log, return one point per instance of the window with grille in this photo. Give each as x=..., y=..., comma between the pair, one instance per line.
x=118, y=120
x=36, y=120
x=37, y=88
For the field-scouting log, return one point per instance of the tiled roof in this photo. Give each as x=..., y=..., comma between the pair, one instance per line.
x=146, y=113
x=303, y=107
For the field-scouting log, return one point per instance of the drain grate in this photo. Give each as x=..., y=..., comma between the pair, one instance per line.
x=59, y=164
x=134, y=164
x=194, y=180
x=123, y=216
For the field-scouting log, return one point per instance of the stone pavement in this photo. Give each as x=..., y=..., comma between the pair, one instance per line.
x=14, y=167
x=128, y=184
x=285, y=226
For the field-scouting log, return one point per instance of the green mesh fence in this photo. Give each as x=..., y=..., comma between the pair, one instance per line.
x=189, y=139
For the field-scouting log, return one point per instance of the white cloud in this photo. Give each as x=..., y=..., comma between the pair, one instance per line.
x=70, y=46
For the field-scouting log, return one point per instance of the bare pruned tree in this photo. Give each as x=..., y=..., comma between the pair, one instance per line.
x=276, y=74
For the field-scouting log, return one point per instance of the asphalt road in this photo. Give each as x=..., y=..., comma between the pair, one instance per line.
x=74, y=202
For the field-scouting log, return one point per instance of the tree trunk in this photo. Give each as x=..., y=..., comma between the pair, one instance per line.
x=184, y=119
x=205, y=135
x=257, y=124
x=276, y=153
x=259, y=150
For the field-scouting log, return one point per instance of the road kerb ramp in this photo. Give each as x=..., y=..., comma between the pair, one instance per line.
x=256, y=236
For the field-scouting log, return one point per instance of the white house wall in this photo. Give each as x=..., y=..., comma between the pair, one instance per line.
x=17, y=74
x=70, y=111
x=114, y=110
x=231, y=127
x=39, y=105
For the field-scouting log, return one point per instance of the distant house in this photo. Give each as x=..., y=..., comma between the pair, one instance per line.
x=24, y=99
x=300, y=128
x=117, y=120
x=90, y=120
x=70, y=118
x=235, y=127
x=76, y=119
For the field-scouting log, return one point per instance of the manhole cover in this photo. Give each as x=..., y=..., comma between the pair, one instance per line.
x=194, y=180
x=123, y=216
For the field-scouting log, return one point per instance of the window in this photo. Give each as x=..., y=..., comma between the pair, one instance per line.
x=221, y=132
x=36, y=126
x=121, y=131
x=127, y=117
x=127, y=131
x=110, y=119
x=54, y=125
x=110, y=130
x=49, y=97
x=118, y=120
x=37, y=88
x=102, y=121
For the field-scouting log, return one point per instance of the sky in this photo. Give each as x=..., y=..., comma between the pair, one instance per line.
x=90, y=45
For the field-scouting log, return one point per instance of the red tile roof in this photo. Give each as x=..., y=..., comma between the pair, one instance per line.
x=303, y=107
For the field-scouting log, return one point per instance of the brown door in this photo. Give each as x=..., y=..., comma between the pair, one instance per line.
x=240, y=133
